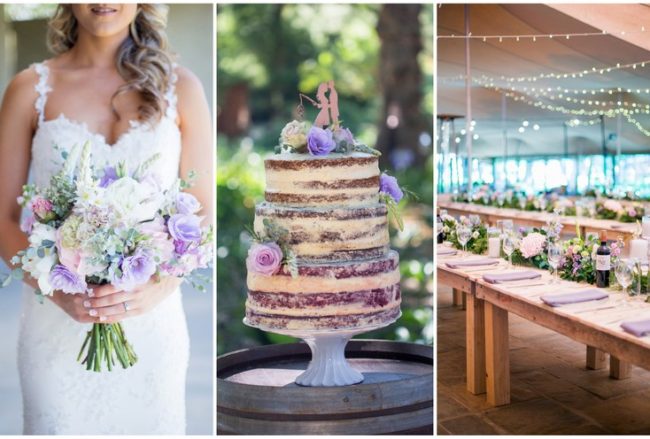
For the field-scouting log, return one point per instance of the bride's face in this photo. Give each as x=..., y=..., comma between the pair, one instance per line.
x=104, y=19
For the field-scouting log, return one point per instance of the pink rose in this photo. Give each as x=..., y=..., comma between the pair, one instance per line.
x=264, y=258
x=631, y=212
x=41, y=207
x=69, y=257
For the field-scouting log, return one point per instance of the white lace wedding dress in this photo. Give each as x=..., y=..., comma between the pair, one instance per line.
x=59, y=395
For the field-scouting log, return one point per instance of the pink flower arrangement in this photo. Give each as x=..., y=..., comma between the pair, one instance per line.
x=264, y=259
x=613, y=205
x=532, y=245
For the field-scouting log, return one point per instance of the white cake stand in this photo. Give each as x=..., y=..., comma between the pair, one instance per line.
x=328, y=366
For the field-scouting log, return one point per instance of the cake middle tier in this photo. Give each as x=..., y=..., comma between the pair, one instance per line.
x=327, y=295
x=328, y=234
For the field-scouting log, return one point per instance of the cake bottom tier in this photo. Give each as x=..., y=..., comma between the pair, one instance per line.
x=349, y=321
x=327, y=296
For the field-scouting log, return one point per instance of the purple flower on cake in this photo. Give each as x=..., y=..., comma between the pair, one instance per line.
x=320, y=141
x=186, y=228
x=136, y=270
x=532, y=245
x=65, y=280
x=343, y=135
x=110, y=176
x=264, y=258
x=388, y=185
x=187, y=204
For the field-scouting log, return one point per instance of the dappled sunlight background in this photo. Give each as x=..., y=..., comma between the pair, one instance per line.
x=266, y=54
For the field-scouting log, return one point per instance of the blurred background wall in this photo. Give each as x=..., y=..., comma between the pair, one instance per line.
x=381, y=59
x=22, y=42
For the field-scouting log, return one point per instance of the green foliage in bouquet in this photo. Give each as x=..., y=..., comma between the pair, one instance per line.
x=478, y=242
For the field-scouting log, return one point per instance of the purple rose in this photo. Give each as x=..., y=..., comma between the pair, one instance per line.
x=320, y=141
x=65, y=280
x=264, y=258
x=110, y=176
x=181, y=247
x=136, y=269
x=186, y=228
x=343, y=135
x=388, y=185
x=187, y=204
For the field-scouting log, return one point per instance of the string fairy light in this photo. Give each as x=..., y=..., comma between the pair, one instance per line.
x=534, y=37
x=594, y=70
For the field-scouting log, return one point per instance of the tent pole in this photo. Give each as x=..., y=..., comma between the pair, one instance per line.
x=619, y=127
x=468, y=103
x=505, y=135
x=604, y=142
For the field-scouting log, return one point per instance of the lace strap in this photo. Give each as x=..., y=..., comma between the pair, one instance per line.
x=170, y=96
x=42, y=88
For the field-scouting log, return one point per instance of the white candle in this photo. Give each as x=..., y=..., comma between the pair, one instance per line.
x=639, y=249
x=494, y=247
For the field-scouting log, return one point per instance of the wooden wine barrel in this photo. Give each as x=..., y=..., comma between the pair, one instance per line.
x=256, y=393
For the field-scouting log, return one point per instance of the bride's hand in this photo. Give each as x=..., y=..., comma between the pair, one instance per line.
x=73, y=305
x=109, y=305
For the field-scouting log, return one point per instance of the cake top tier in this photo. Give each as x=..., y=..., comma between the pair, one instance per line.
x=332, y=180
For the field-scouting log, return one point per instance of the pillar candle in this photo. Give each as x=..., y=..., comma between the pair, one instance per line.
x=494, y=247
x=645, y=228
x=639, y=249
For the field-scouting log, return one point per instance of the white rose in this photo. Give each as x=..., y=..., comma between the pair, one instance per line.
x=132, y=201
x=39, y=269
x=294, y=134
x=475, y=235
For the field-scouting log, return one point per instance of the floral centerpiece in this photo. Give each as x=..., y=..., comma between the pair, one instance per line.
x=608, y=209
x=118, y=227
x=632, y=213
x=579, y=261
x=478, y=242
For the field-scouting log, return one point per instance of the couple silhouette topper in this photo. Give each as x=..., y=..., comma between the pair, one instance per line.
x=328, y=105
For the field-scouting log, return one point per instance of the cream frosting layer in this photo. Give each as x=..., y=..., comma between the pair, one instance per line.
x=319, y=233
x=335, y=179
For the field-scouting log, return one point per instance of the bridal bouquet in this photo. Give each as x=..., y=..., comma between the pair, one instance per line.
x=116, y=226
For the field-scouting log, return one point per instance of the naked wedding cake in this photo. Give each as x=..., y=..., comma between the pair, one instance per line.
x=321, y=258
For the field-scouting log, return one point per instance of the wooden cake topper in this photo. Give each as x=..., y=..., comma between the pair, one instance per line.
x=329, y=107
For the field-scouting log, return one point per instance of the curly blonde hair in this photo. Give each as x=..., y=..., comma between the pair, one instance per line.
x=143, y=60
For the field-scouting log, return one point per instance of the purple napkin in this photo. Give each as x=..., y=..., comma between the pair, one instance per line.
x=446, y=251
x=510, y=277
x=638, y=327
x=577, y=297
x=473, y=263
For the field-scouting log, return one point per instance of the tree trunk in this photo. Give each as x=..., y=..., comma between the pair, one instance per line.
x=400, y=79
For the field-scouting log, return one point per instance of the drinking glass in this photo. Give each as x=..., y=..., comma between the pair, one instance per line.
x=464, y=233
x=509, y=245
x=624, y=271
x=554, y=257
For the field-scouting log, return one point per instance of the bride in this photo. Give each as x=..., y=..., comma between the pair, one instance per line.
x=111, y=82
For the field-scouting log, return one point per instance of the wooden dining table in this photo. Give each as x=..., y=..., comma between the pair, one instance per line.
x=491, y=214
x=595, y=324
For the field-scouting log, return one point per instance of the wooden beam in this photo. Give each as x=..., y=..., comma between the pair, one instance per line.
x=475, y=344
x=596, y=359
x=497, y=355
x=619, y=370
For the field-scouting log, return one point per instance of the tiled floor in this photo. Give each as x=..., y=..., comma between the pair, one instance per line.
x=198, y=308
x=552, y=392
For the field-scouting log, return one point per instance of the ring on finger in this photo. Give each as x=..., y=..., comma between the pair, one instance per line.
x=127, y=307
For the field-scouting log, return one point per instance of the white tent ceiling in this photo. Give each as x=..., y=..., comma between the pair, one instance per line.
x=513, y=58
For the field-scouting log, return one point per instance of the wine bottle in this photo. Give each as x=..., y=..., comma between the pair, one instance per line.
x=441, y=235
x=603, y=262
